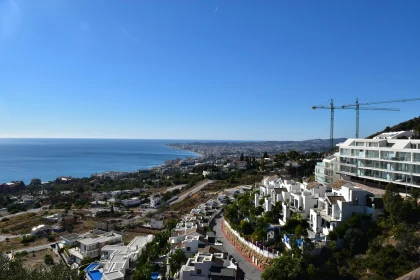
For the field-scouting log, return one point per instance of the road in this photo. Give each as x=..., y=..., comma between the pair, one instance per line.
x=175, y=188
x=193, y=190
x=251, y=272
x=3, y=237
x=36, y=210
x=34, y=249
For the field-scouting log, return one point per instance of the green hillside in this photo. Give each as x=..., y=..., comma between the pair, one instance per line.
x=414, y=124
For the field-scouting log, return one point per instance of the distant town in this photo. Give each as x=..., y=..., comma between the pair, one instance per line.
x=236, y=212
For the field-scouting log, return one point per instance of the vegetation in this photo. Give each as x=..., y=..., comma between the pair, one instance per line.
x=15, y=270
x=176, y=260
x=158, y=247
x=48, y=260
x=413, y=124
x=385, y=248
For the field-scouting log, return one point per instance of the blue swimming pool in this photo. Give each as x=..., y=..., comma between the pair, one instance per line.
x=92, y=266
x=95, y=275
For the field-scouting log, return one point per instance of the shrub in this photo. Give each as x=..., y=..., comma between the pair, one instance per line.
x=51, y=238
x=4, y=219
x=27, y=239
x=48, y=260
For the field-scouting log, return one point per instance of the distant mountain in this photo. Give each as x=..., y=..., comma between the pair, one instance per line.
x=404, y=126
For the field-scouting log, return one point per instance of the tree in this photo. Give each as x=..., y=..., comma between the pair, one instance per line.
x=171, y=224
x=246, y=227
x=48, y=259
x=143, y=271
x=284, y=267
x=393, y=203
x=242, y=157
x=176, y=260
x=353, y=238
x=415, y=194
x=86, y=260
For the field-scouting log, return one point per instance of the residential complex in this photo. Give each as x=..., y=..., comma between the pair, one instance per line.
x=326, y=171
x=91, y=246
x=380, y=161
x=325, y=206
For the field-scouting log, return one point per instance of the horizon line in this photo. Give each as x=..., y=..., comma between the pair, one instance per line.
x=186, y=139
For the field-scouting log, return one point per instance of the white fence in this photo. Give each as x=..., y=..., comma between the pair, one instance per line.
x=257, y=249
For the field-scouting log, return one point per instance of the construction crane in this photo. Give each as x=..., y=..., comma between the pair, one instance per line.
x=357, y=104
x=344, y=107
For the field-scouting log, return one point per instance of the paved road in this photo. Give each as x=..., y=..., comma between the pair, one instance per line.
x=251, y=272
x=193, y=190
x=175, y=188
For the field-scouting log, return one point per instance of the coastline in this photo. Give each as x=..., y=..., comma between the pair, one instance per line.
x=123, y=160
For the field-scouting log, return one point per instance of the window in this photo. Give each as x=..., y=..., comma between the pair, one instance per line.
x=188, y=249
x=198, y=271
x=355, y=201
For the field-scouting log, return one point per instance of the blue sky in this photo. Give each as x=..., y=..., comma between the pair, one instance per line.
x=182, y=69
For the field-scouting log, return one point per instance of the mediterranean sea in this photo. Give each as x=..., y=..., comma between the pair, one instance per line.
x=47, y=159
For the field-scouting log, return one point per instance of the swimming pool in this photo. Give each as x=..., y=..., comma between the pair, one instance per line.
x=95, y=275
x=92, y=266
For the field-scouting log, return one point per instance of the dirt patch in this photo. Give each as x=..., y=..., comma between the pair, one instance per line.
x=191, y=202
x=128, y=236
x=36, y=259
x=21, y=224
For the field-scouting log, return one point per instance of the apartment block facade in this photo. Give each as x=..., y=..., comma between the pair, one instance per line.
x=380, y=161
x=326, y=171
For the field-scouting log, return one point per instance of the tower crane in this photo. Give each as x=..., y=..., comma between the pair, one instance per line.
x=357, y=104
x=344, y=107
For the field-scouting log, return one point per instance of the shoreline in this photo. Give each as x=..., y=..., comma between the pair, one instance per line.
x=167, y=145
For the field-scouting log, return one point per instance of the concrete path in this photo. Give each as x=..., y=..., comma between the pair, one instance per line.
x=251, y=271
x=193, y=190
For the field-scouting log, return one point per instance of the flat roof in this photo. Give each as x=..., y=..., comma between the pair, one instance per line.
x=72, y=236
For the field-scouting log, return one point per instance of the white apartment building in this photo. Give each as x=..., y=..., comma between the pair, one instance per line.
x=326, y=171
x=155, y=201
x=189, y=245
x=131, y=202
x=302, y=200
x=380, y=161
x=339, y=205
x=115, y=259
x=91, y=246
x=205, y=265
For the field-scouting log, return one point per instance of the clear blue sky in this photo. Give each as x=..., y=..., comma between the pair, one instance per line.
x=204, y=69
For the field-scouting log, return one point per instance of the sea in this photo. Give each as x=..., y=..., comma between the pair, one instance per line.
x=47, y=159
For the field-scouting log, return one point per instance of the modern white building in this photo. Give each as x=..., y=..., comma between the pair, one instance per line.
x=205, y=265
x=115, y=259
x=326, y=171
x=91, y=246
x=133, y=201
x=380, y=161
x=339, y=205
x=155, y=201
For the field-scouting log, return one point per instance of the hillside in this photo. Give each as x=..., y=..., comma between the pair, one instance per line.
x=414, y=123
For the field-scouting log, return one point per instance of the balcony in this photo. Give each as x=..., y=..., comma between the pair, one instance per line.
x=327, y=217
